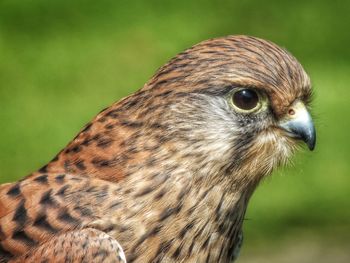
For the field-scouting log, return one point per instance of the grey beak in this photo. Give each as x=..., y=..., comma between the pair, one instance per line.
x=298, y=124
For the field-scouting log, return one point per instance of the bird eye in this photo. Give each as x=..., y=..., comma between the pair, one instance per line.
x=245, y=99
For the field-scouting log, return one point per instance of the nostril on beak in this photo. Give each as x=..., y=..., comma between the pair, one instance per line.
x=298, y=123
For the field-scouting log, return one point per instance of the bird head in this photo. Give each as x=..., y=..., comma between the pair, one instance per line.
x=184, y=153
x=232, y=107
x=236, y=104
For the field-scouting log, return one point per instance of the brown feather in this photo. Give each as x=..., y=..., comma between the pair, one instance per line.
x=163, y=171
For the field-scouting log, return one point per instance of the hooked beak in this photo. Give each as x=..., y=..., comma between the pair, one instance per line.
x=298, y=124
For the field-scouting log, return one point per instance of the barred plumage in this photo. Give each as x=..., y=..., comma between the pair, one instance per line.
x=164, y=175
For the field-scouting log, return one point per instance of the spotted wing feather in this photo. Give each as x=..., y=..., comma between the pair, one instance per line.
x=86, y=245
x=43, y=209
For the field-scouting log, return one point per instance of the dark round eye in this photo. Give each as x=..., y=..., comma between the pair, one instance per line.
x=245, y=99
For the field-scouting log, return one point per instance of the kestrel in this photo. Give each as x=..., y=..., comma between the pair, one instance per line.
x=165, y=175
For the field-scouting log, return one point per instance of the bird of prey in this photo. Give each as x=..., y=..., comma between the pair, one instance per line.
x=165, y=174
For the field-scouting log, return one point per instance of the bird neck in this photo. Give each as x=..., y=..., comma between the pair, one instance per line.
x=173, y=218
x=179, y=203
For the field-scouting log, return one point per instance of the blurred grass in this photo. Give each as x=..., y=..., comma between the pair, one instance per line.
x=63, y=61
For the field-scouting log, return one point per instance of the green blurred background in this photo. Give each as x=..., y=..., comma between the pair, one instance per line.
x=63, y=61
